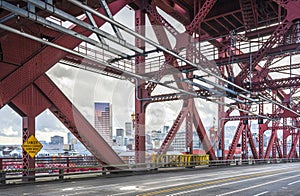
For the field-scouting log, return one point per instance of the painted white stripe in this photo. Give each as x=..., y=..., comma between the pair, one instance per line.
x=261, y=193
x=229, y=183
x=187, y=178
x=293, y=182
x=203, y=179
x=79, y=188
x=255, y=186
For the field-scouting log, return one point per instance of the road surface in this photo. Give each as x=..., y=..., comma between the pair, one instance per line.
x=271, y=179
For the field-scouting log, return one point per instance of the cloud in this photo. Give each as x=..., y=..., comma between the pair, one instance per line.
x=8, y=132
x=10, y=123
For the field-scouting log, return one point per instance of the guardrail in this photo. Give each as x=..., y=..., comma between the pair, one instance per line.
x=89, y=166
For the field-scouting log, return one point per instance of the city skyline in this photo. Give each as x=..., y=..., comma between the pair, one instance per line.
x=103, y=120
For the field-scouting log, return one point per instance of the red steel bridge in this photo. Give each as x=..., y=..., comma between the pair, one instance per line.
x=230, y=53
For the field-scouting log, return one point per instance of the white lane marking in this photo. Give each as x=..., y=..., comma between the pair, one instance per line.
x=198, y=181
x=88, y=187
x=229, y=183
x=293, y=182
x=255, y=186
x=185, y=177
x=203, y=180
x=130, y=188
x=262, y=193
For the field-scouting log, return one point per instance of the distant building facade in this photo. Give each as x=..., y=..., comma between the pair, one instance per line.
x=57, y=140
x=120, y=132
x=103, y=121
x=128, y=128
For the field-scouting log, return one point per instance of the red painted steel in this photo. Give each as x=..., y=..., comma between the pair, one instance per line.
x=235, y=140
x=172, y=132
x=282, y=83
x=140, y=105
x=249, y=13
x=251, y=142
x=29, y=103
x=69, y=115
x=202, y=135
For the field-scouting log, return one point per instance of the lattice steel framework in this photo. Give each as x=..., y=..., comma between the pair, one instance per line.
x=228, y=55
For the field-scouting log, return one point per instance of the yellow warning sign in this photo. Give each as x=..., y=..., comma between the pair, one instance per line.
x=32, y=146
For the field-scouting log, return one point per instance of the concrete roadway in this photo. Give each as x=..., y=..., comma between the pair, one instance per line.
x=272, y=179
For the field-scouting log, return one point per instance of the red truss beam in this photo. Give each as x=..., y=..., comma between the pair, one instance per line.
x=189, y=133
x=252, y=143
x=278, y=147
x=32, y=69
x=249, y=13
x=155, y=19
x=172, y=132
x=244, y=142
x=202, y=134
x=158, y=20
x=34, y=66
x=284, y=68
x=29, y=104
x=260, y=54
x=270, y=144
x=199, y=17
x=140, y=105
x=293, y=9
x=235, y=140
x=273, y=84
x=294, y=145
x=69, y=115
x=244, y=58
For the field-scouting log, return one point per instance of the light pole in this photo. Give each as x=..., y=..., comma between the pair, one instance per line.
x=133, y=119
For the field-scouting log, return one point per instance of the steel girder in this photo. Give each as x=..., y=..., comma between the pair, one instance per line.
x=249, y=13
x=140, y=104
x=29, y=68
x=156, y=19
x=70, y=116
x=202, y=134
x=284, y=67
x=273, y=84
x=29, y=103
x=251, y=142
x=282, y=28
x=172, y=132
x=235, y=140
x=199, y=17
x=33, y=68
x=274, y=38
x=267, y=46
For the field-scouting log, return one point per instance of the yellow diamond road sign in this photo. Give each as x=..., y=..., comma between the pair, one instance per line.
x=32, y=146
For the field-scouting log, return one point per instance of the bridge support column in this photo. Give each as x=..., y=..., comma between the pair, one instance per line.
x=286, y=133
x=140, y=94
x=28, y=162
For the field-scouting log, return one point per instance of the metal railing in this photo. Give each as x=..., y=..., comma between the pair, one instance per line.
x=60, y=168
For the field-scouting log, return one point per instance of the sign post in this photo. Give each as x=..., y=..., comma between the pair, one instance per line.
x=32, y=146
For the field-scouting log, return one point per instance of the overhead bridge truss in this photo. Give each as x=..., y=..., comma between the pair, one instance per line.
x=227, y=55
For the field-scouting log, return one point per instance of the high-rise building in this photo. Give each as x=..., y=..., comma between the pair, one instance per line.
x=71, y=138
x=120, y=132
x=57, y=140
x=128, y=128
x=103, y=121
